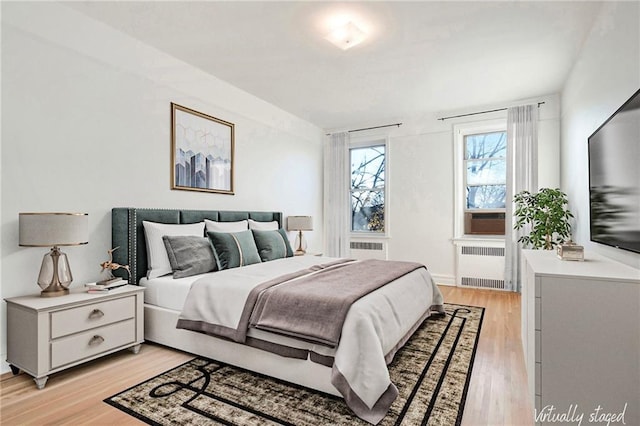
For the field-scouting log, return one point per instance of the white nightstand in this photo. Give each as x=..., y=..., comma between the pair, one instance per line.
x=49, y=334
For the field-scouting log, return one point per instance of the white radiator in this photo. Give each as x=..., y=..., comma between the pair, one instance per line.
x=368, y=250
x=480, y=265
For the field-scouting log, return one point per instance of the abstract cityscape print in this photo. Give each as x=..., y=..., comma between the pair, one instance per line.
x=201, y=151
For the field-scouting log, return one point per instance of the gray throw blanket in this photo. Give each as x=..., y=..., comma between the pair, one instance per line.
x=314, y=307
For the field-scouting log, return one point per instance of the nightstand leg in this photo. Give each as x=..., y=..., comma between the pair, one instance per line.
x=15, y=370
x=40, y=382
x=135, y=349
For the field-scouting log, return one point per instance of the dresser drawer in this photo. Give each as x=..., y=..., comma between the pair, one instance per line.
x=81, y=318
x=92, y=342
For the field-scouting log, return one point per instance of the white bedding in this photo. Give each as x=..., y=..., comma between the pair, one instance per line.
x=170, y=293
x=167, y=292
x=373, y=327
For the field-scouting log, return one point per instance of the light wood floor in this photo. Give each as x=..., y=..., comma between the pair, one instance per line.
x=498, y=389
x=497, y=393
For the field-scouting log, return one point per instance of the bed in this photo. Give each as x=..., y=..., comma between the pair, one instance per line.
x=286, y=357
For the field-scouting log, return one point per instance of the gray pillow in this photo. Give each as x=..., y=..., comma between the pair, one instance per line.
x=234, y=249
x=189, y=255
x=272, y=244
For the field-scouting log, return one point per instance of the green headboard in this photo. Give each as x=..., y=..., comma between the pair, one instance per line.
x=127, y=231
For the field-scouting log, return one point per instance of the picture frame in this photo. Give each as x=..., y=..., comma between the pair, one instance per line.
x=202, y=151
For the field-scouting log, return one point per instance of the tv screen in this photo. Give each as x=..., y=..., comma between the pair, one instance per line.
x=614, y=178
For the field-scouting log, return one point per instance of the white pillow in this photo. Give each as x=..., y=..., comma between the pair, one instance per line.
x=239, y=226
x=263, y=226
x=157, y=258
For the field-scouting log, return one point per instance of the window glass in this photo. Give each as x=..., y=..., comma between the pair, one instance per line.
x=485, y=170
x=486, y=145
x=481, y=172
x=367, y=189
x=486, y=196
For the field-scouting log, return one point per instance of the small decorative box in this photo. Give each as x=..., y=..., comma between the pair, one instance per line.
x=570, y=251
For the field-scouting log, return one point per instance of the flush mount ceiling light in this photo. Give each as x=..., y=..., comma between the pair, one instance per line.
x=346, y=36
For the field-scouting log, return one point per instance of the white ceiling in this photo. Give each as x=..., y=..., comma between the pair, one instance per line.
x=421, y=57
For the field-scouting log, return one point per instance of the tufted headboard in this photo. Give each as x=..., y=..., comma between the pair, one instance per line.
x=127, y=231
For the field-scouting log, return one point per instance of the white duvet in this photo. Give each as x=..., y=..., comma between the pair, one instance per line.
x=373, y=327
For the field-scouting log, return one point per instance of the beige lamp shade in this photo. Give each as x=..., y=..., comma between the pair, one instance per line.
x=299, y=223
x=53, y=229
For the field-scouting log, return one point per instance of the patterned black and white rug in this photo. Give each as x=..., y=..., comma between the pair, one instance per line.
x=432, y=373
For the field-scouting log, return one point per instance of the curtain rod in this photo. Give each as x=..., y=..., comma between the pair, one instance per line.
x=480, y=112
x=370, y=128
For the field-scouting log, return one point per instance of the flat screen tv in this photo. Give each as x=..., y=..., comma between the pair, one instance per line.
x=614, y=178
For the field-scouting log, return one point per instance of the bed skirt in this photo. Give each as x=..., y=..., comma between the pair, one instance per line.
x=160, y=327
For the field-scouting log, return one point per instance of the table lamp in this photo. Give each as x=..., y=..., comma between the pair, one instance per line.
x=300, y=223
x=53, y=230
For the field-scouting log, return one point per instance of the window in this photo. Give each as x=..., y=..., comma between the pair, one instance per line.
x=485, y=171
x=481, y=187
x=368, y=189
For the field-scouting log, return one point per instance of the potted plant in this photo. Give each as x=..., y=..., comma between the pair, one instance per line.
x=548, y=214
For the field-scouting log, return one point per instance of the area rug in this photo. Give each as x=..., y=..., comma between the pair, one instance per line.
x=432, y=373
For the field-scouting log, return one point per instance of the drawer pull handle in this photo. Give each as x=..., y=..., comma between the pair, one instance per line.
x=96, y=313
x=96, y=340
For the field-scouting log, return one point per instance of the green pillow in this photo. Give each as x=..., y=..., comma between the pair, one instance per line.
x=272, y=245
x=189, y=255
x=234, y=249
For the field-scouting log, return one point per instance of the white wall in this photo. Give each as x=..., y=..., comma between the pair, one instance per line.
x=605, y=75
x=86, y=127
x=421, y=200
x=420, y=176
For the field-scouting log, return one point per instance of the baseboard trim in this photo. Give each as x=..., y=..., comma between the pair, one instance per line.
x=440, y=279
x=4, y=366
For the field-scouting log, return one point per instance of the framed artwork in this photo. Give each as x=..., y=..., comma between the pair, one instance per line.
x=201, y=151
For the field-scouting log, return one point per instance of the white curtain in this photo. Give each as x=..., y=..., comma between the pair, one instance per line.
x=522, y=174
x=336, y=195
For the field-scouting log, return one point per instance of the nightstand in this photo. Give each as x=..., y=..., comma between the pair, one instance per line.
x=49, y=334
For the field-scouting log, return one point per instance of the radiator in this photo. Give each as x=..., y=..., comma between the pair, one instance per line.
x=368, y=250
x=480, y=266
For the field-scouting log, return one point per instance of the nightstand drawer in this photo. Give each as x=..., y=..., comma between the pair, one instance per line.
x=92, y=342
x=86, y=317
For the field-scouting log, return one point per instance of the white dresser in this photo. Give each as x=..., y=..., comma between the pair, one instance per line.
x=49, y=334
x=581, y=337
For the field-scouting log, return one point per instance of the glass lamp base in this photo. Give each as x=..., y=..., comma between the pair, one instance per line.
x=301, y=244
x=55, y=274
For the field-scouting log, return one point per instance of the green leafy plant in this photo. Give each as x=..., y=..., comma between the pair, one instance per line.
x=548, y=215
